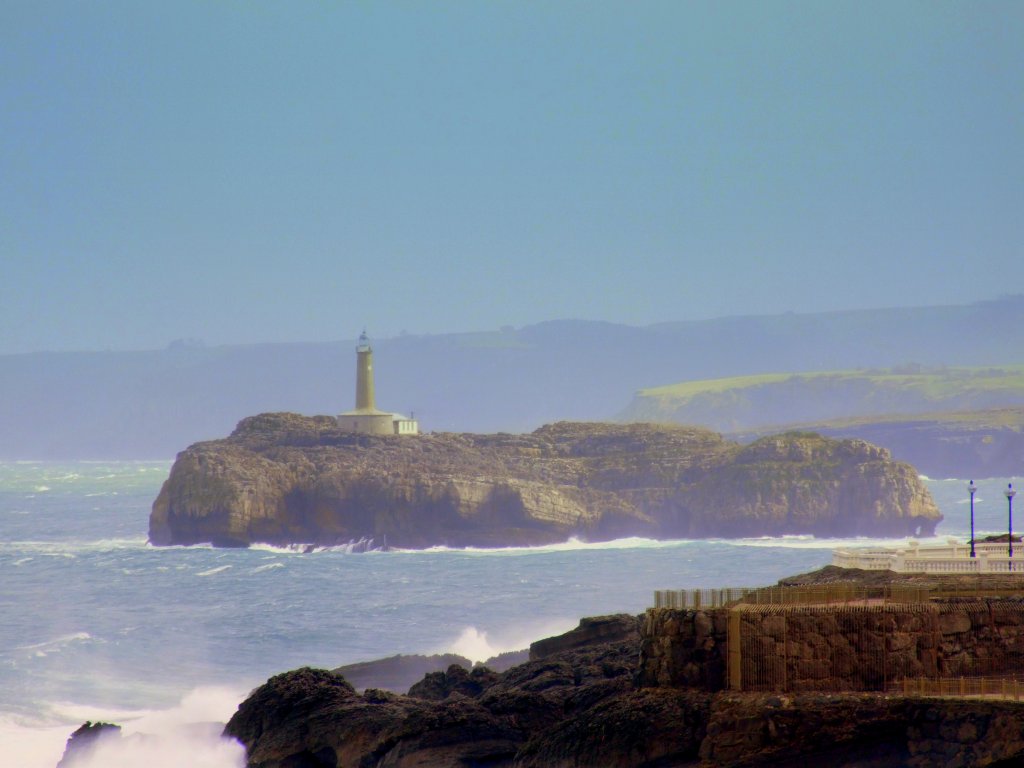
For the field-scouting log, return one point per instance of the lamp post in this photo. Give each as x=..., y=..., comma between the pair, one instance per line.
x=1010, y=493
x=971, y=488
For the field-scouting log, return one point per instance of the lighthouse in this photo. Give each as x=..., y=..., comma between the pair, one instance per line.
x=365, y=400
x=365, y=418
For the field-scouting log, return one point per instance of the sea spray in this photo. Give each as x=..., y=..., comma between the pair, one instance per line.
x=188, y=734
x=477, y=645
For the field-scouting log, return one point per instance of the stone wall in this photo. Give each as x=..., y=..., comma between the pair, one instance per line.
x=836, y=648
x=860, y=729
x=683, y=648
x=832, y=647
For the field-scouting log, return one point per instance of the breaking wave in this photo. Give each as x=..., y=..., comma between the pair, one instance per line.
x=478, y=645
x=213, y=571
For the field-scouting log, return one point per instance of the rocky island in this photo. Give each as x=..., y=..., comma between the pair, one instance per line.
x=285, y=479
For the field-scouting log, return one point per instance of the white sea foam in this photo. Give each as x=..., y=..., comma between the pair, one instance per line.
x=212, y=571
x=267, y=567
x=56, y=645
x=70, y=548
x=477, y=645
x=186, y=734
x=810, y=542
x=360, y=546
x=179, y=547
x=289, y=549
x=572, y=544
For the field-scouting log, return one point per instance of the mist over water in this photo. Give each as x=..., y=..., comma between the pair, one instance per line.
x=100, y=626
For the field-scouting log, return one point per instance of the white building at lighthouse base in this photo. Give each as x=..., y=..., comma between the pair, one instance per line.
x=373, y=422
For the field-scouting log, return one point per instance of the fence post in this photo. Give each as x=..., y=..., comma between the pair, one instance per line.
x=733, y=649
x=785, y=652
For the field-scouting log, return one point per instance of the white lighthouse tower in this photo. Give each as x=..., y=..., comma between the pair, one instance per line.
x=366, y=418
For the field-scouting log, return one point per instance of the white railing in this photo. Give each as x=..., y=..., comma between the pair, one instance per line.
x=952, y=557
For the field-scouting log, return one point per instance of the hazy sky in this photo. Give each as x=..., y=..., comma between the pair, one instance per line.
x=245, y=171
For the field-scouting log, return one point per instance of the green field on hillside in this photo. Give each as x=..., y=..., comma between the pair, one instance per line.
x=931, y=382
x=758, y=401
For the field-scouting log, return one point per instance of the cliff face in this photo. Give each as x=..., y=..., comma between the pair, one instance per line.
x=284, y=478
x=969, y=444
x=986, y=443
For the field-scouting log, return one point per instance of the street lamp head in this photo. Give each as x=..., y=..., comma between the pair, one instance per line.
x=971, y=487
x=1010, y=493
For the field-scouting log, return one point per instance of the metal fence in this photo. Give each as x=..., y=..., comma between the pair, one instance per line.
x=820, y=594
x=700, y=598
x=802, y=595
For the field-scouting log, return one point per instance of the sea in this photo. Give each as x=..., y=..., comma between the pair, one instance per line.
x=96, y=624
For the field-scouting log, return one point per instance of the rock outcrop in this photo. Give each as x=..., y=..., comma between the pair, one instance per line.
x=286, y=479
x=397, y=673
x=438, y=686
x=82, y=744
x=594, y=630
x=315, y=719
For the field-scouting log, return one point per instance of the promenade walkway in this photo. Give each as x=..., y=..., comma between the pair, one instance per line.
x=951, y=557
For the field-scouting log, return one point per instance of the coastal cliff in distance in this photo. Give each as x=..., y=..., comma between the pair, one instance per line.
x=283, y=479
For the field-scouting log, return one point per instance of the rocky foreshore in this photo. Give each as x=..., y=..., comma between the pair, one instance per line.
x=285, y=479
x=585, y=705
